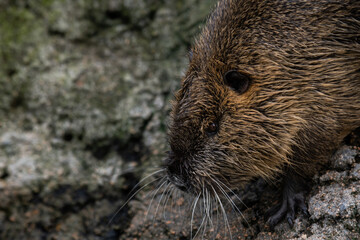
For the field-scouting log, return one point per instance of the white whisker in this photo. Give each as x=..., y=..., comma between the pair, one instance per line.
x=162, y=195
x=150, y=175
x=224, y=213
x=192, y=214
x=170, y=192
x=231, y=202
x=152, y=199
x=130, y=198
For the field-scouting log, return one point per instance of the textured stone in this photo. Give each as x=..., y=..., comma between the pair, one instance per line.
x=85, y=88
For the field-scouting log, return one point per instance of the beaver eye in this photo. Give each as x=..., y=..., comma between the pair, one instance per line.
x=211, y=128
x=237, y=81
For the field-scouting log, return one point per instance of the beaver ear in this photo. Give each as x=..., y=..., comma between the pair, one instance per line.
x=237, y=81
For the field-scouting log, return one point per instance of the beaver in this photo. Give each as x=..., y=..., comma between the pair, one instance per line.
x=272, y=88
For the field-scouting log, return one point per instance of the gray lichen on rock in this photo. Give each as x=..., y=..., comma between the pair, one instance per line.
x=85, y=88
x=84, y=96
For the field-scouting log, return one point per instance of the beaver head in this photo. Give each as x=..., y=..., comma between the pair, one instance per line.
x=219, y=134
x=272, y=88
x=263, y=90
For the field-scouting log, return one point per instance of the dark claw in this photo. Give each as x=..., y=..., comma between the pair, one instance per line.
x=291, y=211
x=276, y=214
x=287, y=208
x=290, y=221
x=290, y=218
x=302, y=206
x=277, y=217
x=305, y=212
x=293, y=198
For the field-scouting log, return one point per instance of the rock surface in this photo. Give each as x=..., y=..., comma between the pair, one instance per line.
x=84, y=99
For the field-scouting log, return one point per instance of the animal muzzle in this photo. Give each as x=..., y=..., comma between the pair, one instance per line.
x=176, y=174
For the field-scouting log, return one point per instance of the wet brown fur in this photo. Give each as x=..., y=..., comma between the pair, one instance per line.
x=303, y=59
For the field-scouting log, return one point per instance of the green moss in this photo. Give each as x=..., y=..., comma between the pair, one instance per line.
x=16, y=27
x=20, y=34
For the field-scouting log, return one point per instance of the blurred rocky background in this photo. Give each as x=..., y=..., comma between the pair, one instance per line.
x=84, y=98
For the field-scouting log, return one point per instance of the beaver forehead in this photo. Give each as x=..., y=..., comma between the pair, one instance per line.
x=191, y=115
x=195, y=116
x=197, y=107
x=185, y=136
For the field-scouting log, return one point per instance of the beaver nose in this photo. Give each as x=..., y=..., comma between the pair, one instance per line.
x=174, y=167
x=178, y=183
x=175, y=173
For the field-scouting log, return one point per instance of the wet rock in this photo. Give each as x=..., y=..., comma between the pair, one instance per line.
x=355, y=172
x=84, y=103
x=335, y=201
x=330, y=176
x=332, y=229
x=343, y=158
x=84, y=97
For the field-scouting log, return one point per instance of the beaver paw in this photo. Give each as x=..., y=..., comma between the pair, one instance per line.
x=287, y=208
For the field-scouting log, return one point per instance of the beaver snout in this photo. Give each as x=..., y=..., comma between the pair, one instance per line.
x=175, y=173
